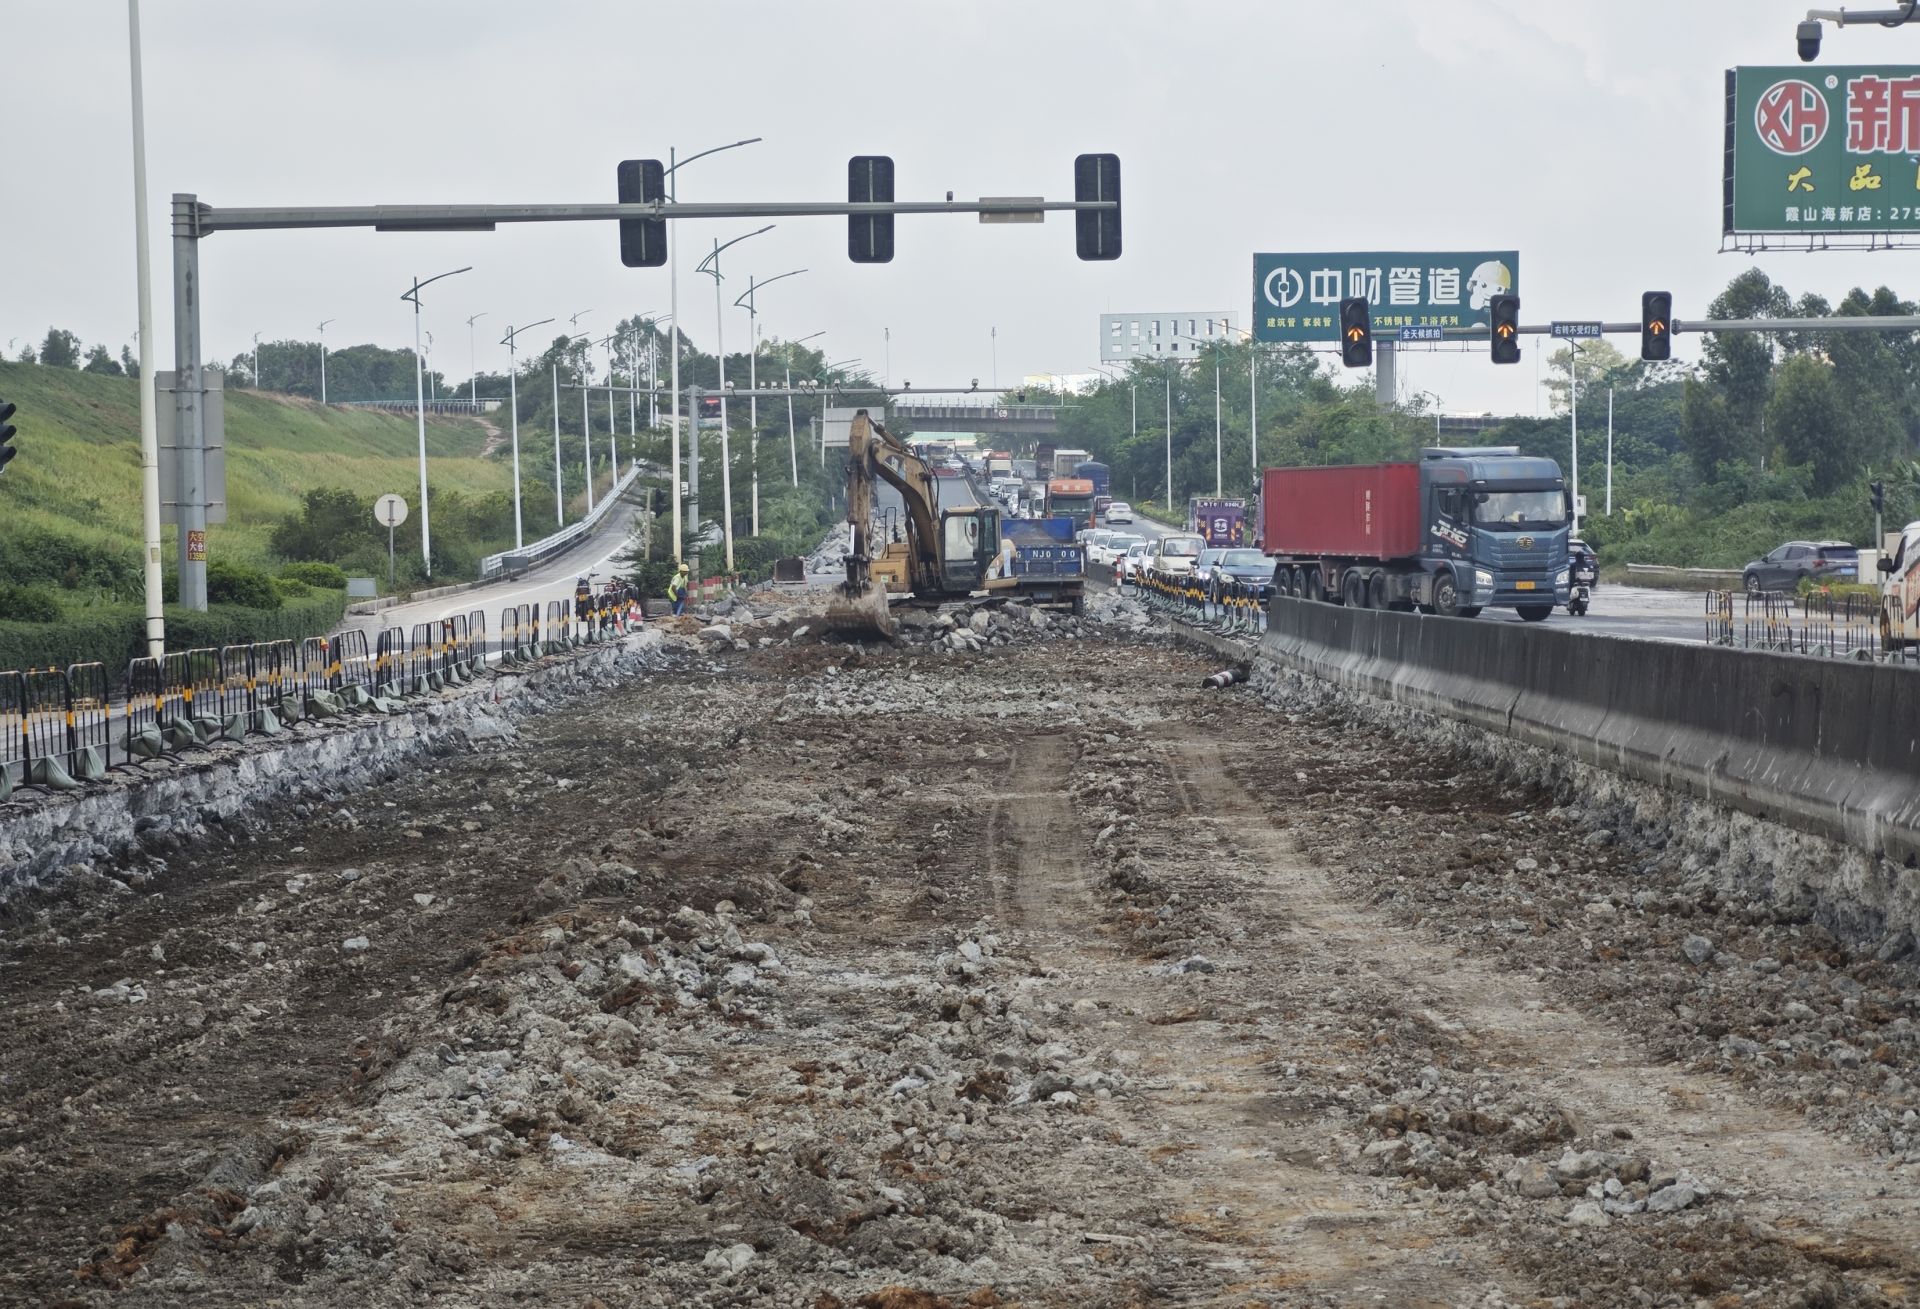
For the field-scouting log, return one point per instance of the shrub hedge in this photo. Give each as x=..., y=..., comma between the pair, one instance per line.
x=115, y=634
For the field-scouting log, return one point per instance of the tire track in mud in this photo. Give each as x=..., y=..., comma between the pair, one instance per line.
x=1820, y=1191
x=1246, y=1194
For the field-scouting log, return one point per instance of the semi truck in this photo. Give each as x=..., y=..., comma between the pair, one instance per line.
x=1221, y=520
x=1462, y=529
x=1071, y=498
x=1099, y=474
x=1065, y=461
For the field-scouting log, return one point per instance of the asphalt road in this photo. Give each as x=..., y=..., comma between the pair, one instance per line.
x=552, y=580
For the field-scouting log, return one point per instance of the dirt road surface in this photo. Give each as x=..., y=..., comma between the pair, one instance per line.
x=1038, y=975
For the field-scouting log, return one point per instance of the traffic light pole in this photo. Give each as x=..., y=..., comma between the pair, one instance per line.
x=193, y=220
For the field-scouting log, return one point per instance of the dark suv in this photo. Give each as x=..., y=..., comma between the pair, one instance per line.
x=1820, y=560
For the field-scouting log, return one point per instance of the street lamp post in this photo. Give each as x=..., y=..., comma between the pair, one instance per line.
x=586, y=422
x=1173, y=372
x=753, y=384
x=613, y=427
x=674, y=165
x=419, y=408
x=323, y=360
x=513, y=404
x=473, y=364
x=793, y=447
x=720, y=359
x=559, y=495
x=256, y=361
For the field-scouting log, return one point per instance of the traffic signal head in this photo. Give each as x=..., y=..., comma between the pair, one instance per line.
x=870, y=236
x=643, y=241
x=1656, y=325
x=1356, y=333
x=7, y=433
x=1878, y=490
x=1096, y=232
x=1503, y=328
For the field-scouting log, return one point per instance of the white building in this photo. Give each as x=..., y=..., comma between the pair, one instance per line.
x=1125, y=337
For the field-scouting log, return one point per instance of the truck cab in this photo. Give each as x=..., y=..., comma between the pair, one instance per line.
x=1498, y=521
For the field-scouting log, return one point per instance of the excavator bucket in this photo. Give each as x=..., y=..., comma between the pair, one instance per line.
x=860, y=611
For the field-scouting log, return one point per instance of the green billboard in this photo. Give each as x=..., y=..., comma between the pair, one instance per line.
x=1296, y=297
x=1822, y=151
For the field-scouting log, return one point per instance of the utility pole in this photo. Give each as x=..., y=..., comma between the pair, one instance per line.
x=149, y=411
x=1573, y=424
x=1609, y=449
x=473, y=364
x=753, y=386
x=513, y=403
x=420, y=409
x=323, y=360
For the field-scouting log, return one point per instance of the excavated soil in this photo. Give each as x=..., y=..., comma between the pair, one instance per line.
x=1025, y=975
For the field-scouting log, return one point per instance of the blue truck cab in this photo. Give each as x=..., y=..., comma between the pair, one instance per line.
x=1500, y=521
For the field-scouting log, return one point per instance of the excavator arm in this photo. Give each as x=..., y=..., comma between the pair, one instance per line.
x=874, y=453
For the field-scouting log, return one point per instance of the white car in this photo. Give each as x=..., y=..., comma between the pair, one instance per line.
x=1127, y=567
x=1119, y=512
x=1111, y=546
x=1090, y=537
x=1175, y=553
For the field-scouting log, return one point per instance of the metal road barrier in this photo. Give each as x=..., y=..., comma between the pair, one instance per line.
x=1846, y=627
x=1230, y=608
x=57, y=728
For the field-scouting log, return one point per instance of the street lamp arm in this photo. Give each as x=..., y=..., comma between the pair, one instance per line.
x=716, y=150
x=414, y=294
x=767, y=282
x=711, y=258
x=513, y=332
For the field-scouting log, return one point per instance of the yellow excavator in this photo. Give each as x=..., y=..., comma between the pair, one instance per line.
x=933, y=554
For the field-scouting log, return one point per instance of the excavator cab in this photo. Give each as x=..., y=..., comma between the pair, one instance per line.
x=970, y=538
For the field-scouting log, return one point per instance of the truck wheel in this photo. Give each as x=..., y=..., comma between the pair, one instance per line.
x=1535, y=613
x=1297, y=583
x=1353, y=590
x=1377, y=591
x=1446, y=596
x=1316, y=588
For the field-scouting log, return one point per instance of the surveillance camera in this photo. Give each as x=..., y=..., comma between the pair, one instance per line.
x=905, y=385
x=1809, y=35
x=974, y=385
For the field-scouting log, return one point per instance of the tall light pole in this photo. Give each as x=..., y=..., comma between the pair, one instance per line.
x=653, y=380
x=256, y=361
x=753, y=385
x=1173, y=372
x=473, y=364
x=149, y=414
x=559, y=496
x=674, y=165
x=513, y=403
x=993, y=337
x=586, y=424
x=720, y=359
x=613, y=428
x=420, y=408
x=793, y=446
x=323, y=359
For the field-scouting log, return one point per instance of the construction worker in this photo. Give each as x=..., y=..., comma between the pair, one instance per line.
x=677, y=590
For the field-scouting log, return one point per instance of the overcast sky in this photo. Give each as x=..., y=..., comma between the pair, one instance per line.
x=1588, y=137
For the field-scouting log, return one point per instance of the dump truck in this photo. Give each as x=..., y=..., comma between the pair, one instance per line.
x=1462, y=529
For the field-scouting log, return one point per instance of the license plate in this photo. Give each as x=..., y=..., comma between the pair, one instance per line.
x=1523, y=586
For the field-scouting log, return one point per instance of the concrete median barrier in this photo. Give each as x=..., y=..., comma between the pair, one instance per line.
x=1830, y=747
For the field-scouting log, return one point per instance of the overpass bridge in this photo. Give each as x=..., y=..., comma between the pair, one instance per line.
x=987, y=419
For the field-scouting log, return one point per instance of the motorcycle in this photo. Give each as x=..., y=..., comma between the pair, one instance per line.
x=1583, y=576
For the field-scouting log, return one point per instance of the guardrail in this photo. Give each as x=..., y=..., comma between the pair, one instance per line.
x=61, y=728
x=1847, y=627
x=1229, y=608
x=496, y=565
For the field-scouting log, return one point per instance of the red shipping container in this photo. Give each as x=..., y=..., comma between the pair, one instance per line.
x=1365, y=511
